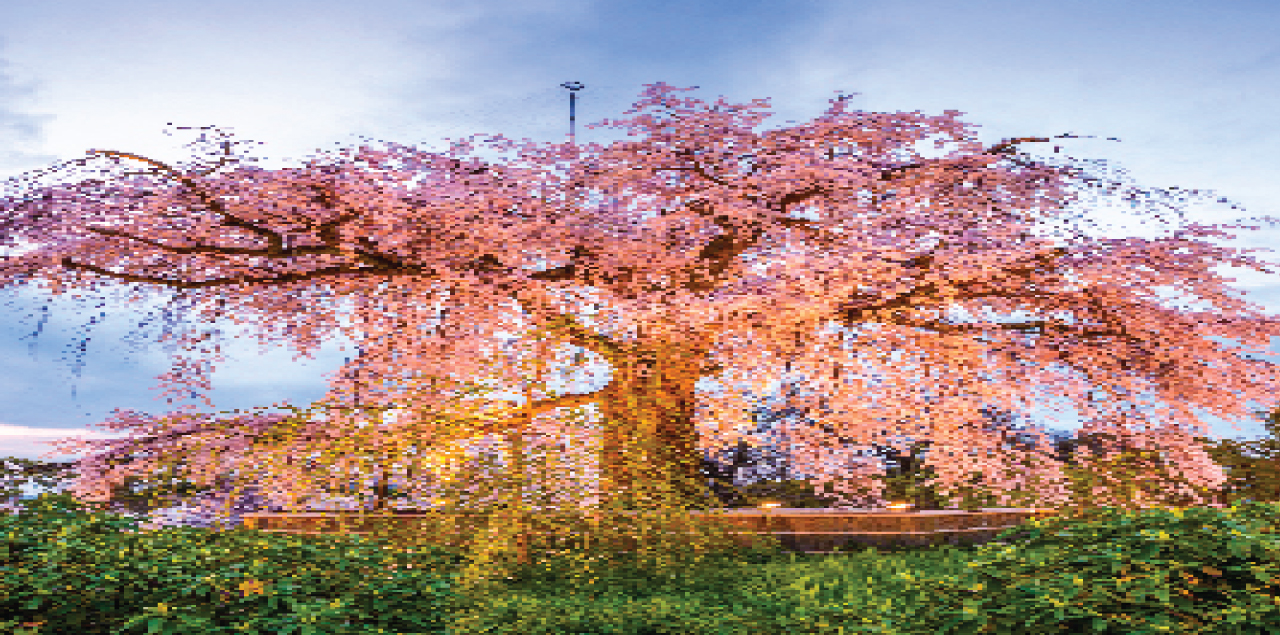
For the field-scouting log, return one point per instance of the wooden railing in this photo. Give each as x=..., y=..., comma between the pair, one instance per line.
x=800, y=530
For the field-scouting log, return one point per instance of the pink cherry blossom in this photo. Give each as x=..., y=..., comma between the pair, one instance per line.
x=908, y=290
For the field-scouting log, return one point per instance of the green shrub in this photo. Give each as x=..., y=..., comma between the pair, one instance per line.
x=1193, y=570
x=71, y=570
x=1154, y=571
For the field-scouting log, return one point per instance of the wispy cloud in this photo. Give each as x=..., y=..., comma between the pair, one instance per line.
x=20, y=132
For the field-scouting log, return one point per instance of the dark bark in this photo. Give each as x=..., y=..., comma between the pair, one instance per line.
x=649, y=432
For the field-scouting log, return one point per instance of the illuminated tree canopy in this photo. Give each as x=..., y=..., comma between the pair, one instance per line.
x=893, y=260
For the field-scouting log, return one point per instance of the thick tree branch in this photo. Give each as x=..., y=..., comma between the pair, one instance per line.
x=200, y=248
x=1041, y=326
x=327, y=231
x=577, y=258
x=277, y=279
x=275, y=242
x=860, y=307
x=582, y=337
x=718, y=254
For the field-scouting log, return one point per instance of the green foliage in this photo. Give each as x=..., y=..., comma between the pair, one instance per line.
x=645, y=532
x=1134, y=571
x=748, y=591
x=70, y=569
x=1193, y=570
x=1095, y=569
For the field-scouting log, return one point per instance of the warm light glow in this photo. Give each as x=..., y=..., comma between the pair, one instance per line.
x=770, y=505
x=899, y=507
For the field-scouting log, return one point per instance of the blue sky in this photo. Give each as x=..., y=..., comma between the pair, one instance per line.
x=1190, y=88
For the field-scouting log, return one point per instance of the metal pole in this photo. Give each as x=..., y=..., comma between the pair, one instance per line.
x=573, y=87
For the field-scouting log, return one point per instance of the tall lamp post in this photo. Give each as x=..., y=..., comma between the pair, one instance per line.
x=573, y=87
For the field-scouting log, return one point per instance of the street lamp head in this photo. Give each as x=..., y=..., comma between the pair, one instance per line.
x=573, y=87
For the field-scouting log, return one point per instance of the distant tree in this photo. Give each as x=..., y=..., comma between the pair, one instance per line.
x=45, y=475
x=907, y=477
x=722, y=470
x=136, y=494
x=1253, y=467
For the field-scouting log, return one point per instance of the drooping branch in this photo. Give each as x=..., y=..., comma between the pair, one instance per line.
x=519, y=417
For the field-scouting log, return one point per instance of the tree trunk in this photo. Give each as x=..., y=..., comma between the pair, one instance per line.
x=649, y=435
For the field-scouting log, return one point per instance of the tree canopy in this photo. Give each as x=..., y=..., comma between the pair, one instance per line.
x=913, y=276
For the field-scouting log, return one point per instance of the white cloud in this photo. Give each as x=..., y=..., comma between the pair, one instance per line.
x=33, y=443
